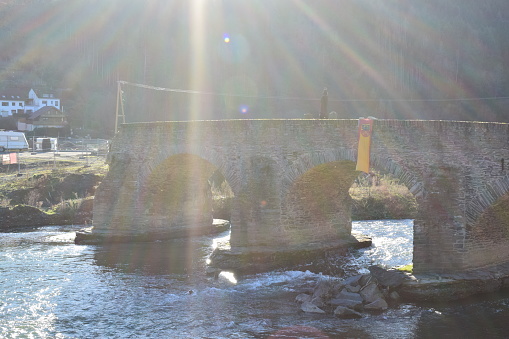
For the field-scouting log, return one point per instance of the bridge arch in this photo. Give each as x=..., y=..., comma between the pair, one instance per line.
x=333, y=197
x=308, y=160
x=384, y=164
x=219, y=159
x=487, y=198
x=488, y=223
x=178, y=177
x=176, y=194
x=411, y=180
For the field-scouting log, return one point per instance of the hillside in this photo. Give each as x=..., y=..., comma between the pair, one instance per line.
x=391, y=59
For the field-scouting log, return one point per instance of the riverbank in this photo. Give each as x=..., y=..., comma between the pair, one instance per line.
x=49, y=190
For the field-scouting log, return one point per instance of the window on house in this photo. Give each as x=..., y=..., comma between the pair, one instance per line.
x=56, y=103
x=13, y=111
x=21, y=104
x=13, y=104
x=45, y=102
x=5, y=103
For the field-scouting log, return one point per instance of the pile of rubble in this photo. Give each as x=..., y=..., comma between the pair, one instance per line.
x=348, y=298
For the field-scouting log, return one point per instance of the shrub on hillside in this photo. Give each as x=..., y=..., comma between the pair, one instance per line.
x=386, y=200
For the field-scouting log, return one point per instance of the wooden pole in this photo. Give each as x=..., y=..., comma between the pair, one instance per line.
x=116, y=111
x=121, y=104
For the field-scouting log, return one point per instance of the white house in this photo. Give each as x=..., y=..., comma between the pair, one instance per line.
x=35, y=102
x=16, y=100
x=12, y=101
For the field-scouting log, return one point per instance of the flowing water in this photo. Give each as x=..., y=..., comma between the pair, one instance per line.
x=52, y=288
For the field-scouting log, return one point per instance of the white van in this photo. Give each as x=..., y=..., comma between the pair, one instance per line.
x=46, y=144
x=11, y=141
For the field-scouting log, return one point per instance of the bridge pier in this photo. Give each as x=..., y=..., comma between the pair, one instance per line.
x=439, y=230
x=271, y=229
x=256, y=211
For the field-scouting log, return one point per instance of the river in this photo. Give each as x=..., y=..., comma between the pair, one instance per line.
x=52, y=288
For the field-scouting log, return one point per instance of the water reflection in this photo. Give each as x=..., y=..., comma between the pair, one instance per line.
x=480, y=316
x=179, y=257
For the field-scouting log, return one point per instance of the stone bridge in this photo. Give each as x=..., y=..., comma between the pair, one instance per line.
x=290, y=181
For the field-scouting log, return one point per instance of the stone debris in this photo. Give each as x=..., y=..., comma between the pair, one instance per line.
x=303, y=297
x=370, y=293
x=353, y=289
x=388, y=278
x=352, y=304
x=348, y=298
x=311, y=308
x=377, y=305
x=394, y=296
x=346, y=313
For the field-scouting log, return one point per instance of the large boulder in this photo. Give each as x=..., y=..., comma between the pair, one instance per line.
x=354, y=280
x=346, y=313
x=371, y=293
x=303, y=297
x=387, y=278
x=377, y=305
x=353, y=304
x=353, y=289
x=349, y=296
x=326, y=288
x=22, y=216
x=309, y=307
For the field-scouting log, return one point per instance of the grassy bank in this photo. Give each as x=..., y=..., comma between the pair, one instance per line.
x=47, y=189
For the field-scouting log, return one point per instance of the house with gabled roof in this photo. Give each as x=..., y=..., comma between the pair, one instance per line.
x=37, y=101
x=12, y=101
x=33, y=109
x=25, y=100
x=45, y=117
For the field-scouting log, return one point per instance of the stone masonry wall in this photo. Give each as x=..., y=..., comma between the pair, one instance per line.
x=457, y=170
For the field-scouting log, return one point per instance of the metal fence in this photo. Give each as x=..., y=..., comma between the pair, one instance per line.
x=74, y=144
x=69, y=152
